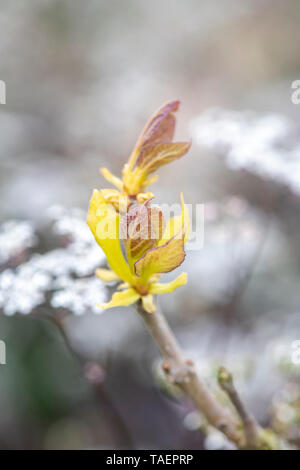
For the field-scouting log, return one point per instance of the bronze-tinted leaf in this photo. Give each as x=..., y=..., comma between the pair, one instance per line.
x=140, y=229
x=162, y=259
x=157, y=222
x=153, y=157
x=135, y=230
x=161, y=125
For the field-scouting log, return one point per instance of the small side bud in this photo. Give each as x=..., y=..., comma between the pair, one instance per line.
x=225, y=379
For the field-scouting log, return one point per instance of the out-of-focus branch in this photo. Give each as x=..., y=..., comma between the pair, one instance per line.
x=94, y=374
x=181, y=372
x=252, y=429
x=244, y=278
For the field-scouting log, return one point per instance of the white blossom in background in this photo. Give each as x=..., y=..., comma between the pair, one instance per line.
x=80, y=296
x=216, y=440
x=57, y=272
x=234, y=231
x=23, y=289
x=15, y=237
x=262, y=144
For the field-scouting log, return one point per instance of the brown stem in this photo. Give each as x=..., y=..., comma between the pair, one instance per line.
x=181, y=372
x=252, y=429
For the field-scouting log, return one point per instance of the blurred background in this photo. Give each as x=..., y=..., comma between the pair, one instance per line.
x=81, y=80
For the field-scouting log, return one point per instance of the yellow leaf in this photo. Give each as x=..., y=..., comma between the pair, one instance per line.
x=148, y=304
x=106, y=275
x=152, y=179
x=123, y=285
x=112, y=178
x=103, y=221
x=120, y=299
x=120, y=201
x=143, y=197
x=177, y=225
x=134, y=180
x=160, y=288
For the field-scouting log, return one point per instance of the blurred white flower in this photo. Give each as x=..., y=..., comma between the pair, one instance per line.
x=217, y=441
x=15, y=237
x=81, y=296
x=23, y=289
x=56, y=271
x=262, y=144
x=233, y=232
x=193, y=421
